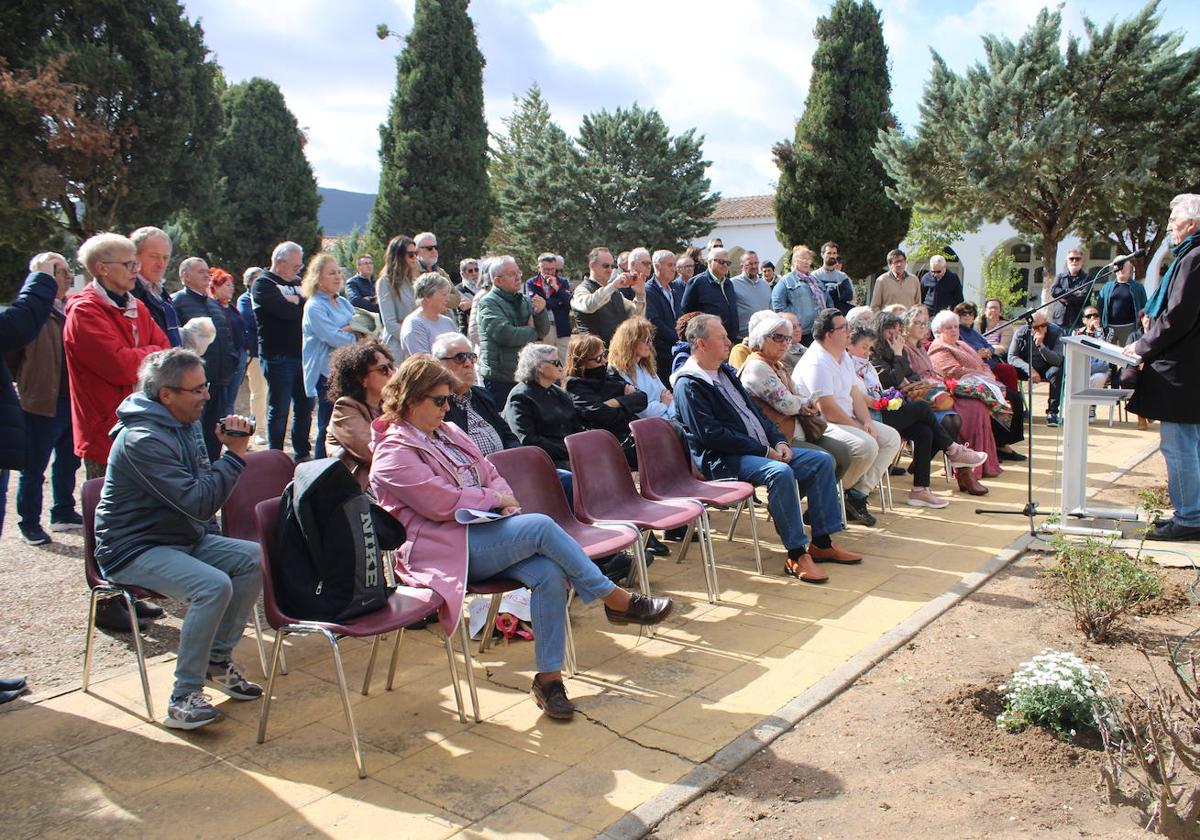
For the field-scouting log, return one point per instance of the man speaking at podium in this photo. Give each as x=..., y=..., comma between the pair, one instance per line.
x=1168, y=387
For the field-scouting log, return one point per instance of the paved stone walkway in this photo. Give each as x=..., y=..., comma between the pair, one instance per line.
x=652, y=709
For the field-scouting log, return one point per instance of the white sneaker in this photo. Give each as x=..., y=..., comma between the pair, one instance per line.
x=965, y=456
x=923, y=497
x=191, y=712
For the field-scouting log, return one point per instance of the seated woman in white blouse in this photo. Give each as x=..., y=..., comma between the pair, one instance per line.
x=631, y=356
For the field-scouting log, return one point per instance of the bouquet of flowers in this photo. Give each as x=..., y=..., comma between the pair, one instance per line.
x=885, y=400
x=975, y=387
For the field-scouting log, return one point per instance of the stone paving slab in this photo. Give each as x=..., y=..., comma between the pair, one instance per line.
x=659, y=716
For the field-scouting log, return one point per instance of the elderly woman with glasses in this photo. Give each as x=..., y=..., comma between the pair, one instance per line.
x=472, y=408
x=426, y=322
x=357, y=374
x=538, y=410
x=426, y=470
x=603, y=399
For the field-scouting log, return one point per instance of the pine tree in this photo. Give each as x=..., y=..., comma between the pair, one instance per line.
x=1053, y=140
x=266, y=192
x=830, y=186
x=433, y=148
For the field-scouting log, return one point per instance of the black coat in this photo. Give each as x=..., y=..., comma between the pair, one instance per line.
x=1045, y=357
x=543, y=417
x=945, y=293
x=223, y=354
x=1169, y=381
x=481, y=400
x=19, y=324
x=589, y=396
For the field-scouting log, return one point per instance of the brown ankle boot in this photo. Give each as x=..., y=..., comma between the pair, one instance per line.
x=968, y=483
x=1142, y=424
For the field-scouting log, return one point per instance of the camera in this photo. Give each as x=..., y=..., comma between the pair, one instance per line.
x=235, y=432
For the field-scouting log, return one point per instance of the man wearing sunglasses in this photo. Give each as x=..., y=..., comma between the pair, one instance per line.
x=711, y=292
x=428, y=254
x=1074, y=280
x=598, y=302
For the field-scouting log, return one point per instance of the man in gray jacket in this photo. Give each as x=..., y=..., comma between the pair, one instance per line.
x=156, y=528
x=508, y=320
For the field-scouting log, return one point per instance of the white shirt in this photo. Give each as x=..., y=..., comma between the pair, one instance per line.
x=821, y=375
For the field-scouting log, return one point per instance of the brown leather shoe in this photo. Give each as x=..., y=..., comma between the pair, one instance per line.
x=833, y=554
x=551, y=698
x=802, y=568
x=968, y=483
x=642, y=609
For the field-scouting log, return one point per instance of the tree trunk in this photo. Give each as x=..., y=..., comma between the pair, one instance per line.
x=1049, y=255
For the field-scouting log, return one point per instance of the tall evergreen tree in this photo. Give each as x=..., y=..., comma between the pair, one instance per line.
x=266, y=192
x=433, y=148
x=830, y=184
x=1052, y=139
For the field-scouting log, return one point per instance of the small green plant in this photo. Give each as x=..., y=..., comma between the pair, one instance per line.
x=1002, y=279
x=1152, y=501
x=1101, y=584
x=1055, y=689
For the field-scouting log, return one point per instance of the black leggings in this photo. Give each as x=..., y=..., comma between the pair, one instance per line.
x=915, y=421
x=1015, y=433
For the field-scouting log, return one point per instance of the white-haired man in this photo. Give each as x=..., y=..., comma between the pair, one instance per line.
x=940, y=287
x=557, y=293
x=598, y=302
x=154, y=253
x=711, y=292
x=279, y=310
x=664, y=305
x=508, y=320
x=428, y=255
x=753, y=292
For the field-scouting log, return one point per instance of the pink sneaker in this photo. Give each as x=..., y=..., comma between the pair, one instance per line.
x=964, y=456
x=923, y=497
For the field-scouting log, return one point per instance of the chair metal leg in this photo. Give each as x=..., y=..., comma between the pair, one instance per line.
x=841, y=491
x=345, y=695
x=274, y=668
x=131, y=605
x=753, y=533
x=366, y=688
x=458, y=700
x=489, y=624
x=710, y=561
x=469, y=664
x=258, y=639
x=571, y=664
x=639, y=562
x=395, y=658
x=949, y=469
x=737, y=512
x=89, y=638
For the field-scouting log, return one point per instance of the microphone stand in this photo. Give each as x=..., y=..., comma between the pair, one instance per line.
x=1031, y=506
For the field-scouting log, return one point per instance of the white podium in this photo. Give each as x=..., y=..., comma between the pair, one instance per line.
x=1078, y=397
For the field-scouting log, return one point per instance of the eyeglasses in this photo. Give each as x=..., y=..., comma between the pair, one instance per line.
x=599, y=357
x=130, y=265
x=387, y=369
x=440, y=400
x=461, y=358
x=62, y=272
x=1091, y=314
x=1074, y=259
x=410, y=253
x=556, y=362
x=842, y=327
x=470, y=271
x=427, y=247
x=721, y=262
x=197, y=391
x=605, y=265
x=780, y=338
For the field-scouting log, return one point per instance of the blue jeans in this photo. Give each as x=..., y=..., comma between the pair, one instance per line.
x=285, y=388
x=1181, y=451
x=235, y=384
x=810, y=467
x=324, y=413
x=532, y=549
x=44, y=436
x=221, y=579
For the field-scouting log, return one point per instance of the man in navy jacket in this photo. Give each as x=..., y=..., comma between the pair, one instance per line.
x=664, y=305
x=732, y=438
x=711, y=292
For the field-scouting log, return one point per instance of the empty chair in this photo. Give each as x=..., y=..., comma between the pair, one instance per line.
x=103, y=589
x=404, y=606
x=604, y=492
x=666, y=472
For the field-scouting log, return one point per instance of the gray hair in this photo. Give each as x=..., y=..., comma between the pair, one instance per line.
x=421, y=237
x=697, y=329
x=763, y=324
x=42, y=261
x=942, y=320
x=188, y=264
x=144, y=234
x=531, y=356
x=428, y=284
x=462, y=264
x=661, y=255
x=284, y=250
x=638, y=253
x=250, y=275
x=912, y=314
x=487, y=267
x=1188, y=204
x=862, y=332
x=714, y=252
x=101, y=247
x=445, y=341
x=859, y=313
x=165, y=369
x=936, y=260
x=547, y=257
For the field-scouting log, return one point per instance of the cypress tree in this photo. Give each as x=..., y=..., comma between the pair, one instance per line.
x=266, y=192
x=433, y=148
x=830, y=184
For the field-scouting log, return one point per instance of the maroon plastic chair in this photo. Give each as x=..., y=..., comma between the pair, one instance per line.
x=534, y=481
x=604, y=492
x=404, y=606
x=266, y=474
x=665, y=472
x=103, y=589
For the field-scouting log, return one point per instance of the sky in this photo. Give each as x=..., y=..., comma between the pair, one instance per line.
x=737, y=72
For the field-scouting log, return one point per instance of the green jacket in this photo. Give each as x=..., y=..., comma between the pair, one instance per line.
x=504, y=329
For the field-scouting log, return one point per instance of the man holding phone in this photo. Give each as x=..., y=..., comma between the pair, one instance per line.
x=598, y=305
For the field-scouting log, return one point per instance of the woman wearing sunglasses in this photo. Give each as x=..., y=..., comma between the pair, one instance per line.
x=357, y=374
x=425, y=470
x=538, y=410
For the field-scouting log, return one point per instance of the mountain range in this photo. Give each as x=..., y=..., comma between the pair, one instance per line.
x=342, y=210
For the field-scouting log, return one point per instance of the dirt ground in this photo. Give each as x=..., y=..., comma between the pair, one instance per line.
x=912, y=748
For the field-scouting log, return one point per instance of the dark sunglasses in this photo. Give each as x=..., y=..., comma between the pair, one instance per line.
x=387, y=369
x=410, y=253
x=1091, y=314
x=1074, y=259
x=428, y=247
x=780, y=338
x=721, y=262
x=461, y=358
x=440, y=400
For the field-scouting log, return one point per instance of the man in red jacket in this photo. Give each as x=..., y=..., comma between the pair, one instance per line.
x=108, y=333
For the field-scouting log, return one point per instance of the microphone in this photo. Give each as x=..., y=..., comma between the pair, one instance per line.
x=1120, y=261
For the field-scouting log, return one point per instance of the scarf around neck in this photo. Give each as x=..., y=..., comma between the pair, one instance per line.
x=1158, y=301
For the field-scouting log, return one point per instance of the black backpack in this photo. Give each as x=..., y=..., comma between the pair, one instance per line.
x=330, y=541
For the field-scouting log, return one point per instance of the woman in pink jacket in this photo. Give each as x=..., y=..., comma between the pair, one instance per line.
x=425, y=470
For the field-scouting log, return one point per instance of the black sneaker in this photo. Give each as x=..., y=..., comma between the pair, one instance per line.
x=191, y=712
x=69, y=521
x=856, y=511
x=147, y=609
x=226, y=678
x=551, y=698
x=33, y=534
x=1052, y=419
